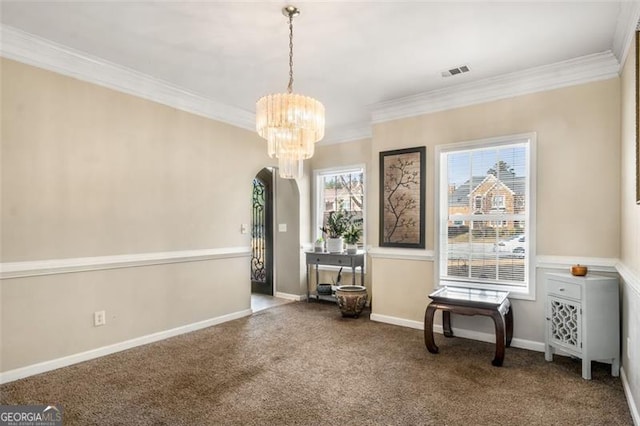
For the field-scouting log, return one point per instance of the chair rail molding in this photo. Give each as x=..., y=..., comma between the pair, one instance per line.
x=595, y=264
x=9, y=270
x=400, y=253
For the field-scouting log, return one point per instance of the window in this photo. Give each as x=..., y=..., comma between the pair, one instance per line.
x=497, y=202
x=493, y=248
x=478, y=202
x=339, y=189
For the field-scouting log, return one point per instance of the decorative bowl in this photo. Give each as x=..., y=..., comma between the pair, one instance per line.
x=579, y=270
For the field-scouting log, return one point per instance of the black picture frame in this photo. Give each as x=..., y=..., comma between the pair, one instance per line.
x=402, y=198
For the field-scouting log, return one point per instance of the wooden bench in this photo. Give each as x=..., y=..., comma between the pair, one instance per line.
x=467, y=301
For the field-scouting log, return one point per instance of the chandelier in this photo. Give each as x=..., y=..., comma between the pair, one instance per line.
x=291, y=123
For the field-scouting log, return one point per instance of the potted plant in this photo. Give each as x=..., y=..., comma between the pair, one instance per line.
x=352, y=236
x=337, y=224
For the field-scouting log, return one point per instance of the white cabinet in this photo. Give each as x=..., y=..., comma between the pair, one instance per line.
x=583, y=319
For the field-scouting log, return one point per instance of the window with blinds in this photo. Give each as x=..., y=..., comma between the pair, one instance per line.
x=485, y=213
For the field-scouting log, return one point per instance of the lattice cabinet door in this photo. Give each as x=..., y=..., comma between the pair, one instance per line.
x=583, y=320
x=564, y=320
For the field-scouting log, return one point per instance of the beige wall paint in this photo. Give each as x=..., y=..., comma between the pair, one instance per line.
x=342, y=154
x=287, y=260
x=400, y=287
x=630, y=232
x=630, y=244
x=88, y=171
x=578, y=202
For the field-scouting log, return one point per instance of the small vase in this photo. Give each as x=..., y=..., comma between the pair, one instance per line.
x=334, y=245
x=352, y=248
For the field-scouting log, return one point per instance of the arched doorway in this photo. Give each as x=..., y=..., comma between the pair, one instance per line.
x=262, y=233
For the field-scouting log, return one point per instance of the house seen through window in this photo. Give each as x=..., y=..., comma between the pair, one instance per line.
x=485, y=214
x=337, y=190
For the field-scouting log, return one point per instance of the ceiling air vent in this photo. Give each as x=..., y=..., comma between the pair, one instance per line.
x=455, y=71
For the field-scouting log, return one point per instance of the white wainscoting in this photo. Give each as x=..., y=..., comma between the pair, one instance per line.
x=17, y=270
x=30, y=370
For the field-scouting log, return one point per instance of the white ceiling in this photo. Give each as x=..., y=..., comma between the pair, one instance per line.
x=352, y=56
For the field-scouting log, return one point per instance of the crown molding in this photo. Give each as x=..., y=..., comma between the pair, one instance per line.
x=625, y=30
x=30, y=49
x=595, y=67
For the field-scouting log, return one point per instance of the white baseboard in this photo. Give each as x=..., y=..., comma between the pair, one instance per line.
x=418, y=325
x=633, y=407
x=459, y=332
x=42, y=367
x=289, y=296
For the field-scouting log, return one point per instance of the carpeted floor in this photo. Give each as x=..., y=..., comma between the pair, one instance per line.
x=303, y=364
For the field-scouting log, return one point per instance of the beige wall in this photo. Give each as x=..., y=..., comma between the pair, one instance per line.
x=88, y=171
x=287, y=256
x=342, y=154
x=578, y=202
x=630, y=232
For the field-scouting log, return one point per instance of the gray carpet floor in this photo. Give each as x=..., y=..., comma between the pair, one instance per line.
x=303, y=364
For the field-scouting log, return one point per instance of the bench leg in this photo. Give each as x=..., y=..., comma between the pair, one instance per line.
x=509, y=323
x=428, y=329
x=446, y=323
x=498, y=319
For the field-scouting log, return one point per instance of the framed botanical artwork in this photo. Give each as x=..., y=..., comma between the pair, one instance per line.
x=402, y=197
x=637, y=117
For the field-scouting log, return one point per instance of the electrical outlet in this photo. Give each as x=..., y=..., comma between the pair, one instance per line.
x=99, y=318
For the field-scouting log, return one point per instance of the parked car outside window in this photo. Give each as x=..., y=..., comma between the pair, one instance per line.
x=515, y=246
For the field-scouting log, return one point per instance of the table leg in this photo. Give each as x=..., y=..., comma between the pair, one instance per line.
x=509, y=323
x=353, y=275
x=498, y=319
x=428, y=329
x=308, y=294
x=446, y=323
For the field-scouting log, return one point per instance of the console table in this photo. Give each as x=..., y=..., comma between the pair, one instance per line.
x=352, y=261
x=467, y=301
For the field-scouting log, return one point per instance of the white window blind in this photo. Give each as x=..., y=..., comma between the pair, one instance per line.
x=484, y=210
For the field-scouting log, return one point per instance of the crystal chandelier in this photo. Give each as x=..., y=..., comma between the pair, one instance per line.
x=290, y=123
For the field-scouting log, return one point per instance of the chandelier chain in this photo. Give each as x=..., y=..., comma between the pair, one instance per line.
x=290, y=86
